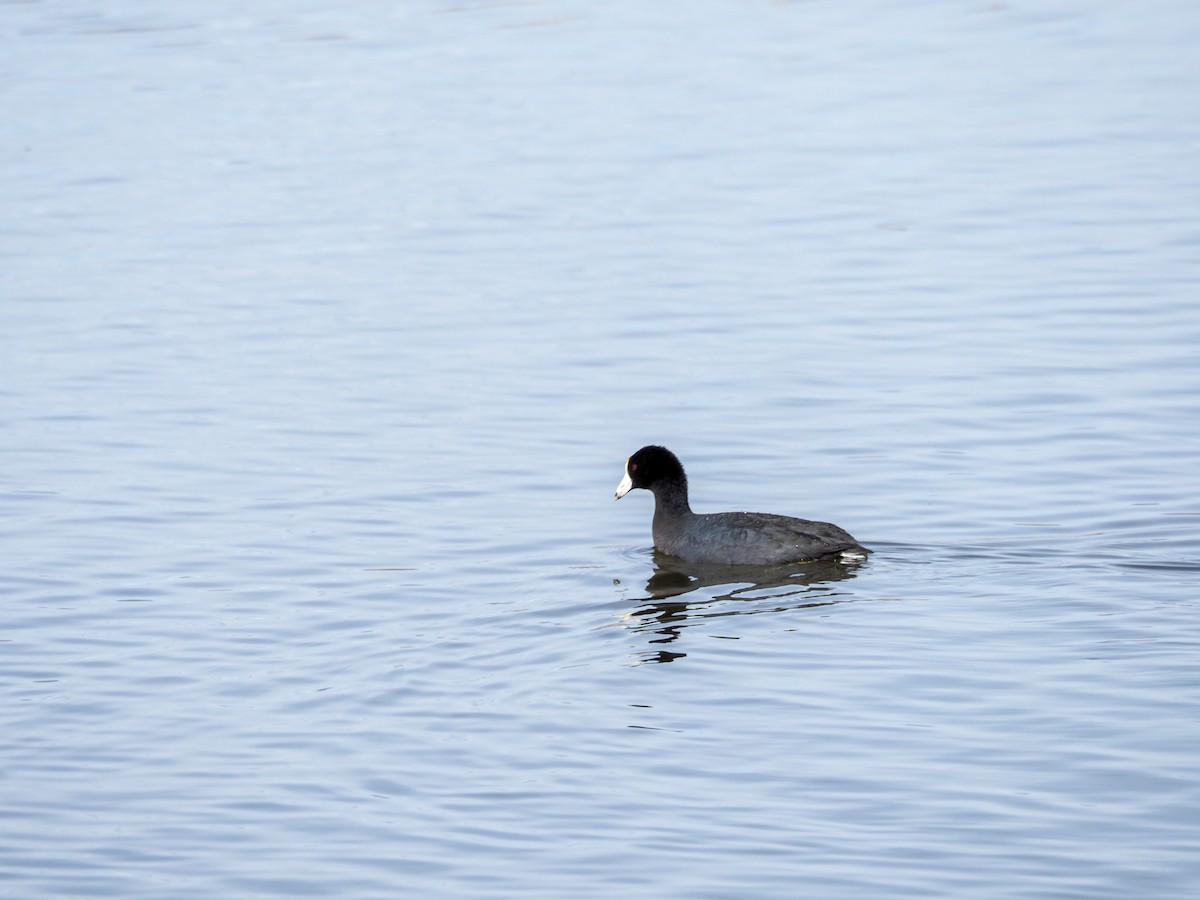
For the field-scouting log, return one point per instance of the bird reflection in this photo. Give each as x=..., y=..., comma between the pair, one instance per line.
x=751, y=591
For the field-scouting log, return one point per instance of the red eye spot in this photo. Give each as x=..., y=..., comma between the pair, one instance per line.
x=633, y=467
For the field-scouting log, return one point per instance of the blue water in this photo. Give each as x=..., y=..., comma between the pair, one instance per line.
x=327, y=330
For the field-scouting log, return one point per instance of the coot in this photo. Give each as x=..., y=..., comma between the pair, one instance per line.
x=731, y=538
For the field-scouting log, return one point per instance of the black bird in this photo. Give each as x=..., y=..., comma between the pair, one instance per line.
x=729, y=538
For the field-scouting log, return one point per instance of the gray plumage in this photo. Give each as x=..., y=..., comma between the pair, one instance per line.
x=731, y=538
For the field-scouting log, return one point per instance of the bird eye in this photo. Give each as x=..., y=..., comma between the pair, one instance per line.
x=633, y=467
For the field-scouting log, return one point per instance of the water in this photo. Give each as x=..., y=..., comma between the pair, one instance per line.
x=327, y=330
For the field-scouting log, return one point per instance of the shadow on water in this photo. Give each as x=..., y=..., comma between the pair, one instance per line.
x=681, y=595
x=664, y=614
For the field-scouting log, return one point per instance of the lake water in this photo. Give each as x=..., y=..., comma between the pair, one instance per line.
x=327, y=329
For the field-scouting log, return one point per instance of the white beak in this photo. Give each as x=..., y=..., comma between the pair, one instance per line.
x=625, y=486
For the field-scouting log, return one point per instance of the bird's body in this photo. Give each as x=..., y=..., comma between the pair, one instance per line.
x=729, y=538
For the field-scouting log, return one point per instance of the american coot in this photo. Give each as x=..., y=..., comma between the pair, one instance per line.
x=732, y=538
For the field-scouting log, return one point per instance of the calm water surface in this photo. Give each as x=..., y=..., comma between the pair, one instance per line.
x=327, y=329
